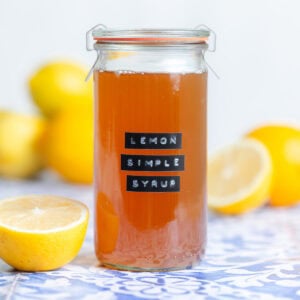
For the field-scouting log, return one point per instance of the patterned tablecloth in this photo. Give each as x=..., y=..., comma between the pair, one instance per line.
x=256, y=256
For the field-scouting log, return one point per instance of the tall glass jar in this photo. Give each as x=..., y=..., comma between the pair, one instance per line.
x=150, y=148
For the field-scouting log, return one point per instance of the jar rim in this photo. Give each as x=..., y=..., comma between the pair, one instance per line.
x=151, y=35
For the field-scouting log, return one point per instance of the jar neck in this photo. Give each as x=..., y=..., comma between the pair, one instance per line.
x=150, y=58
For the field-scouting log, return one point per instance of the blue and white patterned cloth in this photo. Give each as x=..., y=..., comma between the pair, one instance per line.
x=255, y=256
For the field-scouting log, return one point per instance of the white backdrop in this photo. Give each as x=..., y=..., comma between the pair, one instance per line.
x=257, y=55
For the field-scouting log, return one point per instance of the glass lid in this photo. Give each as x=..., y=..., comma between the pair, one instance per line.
x=160, y=36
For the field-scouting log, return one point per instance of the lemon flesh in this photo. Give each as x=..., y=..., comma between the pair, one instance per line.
x=239, y=177
x=41, y=232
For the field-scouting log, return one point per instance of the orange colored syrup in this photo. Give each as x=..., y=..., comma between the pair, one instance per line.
x=150, y=230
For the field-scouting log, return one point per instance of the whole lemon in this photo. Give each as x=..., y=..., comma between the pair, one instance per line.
x=67, y=145
x=59, y=84
x=283, y=143
x=19, y=138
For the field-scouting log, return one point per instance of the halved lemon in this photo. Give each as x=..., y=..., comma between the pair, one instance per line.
x=239, y=177
x=41, y=232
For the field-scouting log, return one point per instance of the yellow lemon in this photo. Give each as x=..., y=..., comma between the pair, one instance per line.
x=283, y=143
x=239, y=177
x=39, y=232
x=19, y=137
x=67, y=145
x=59, y=84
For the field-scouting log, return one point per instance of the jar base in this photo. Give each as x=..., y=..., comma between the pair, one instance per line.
x=141, y=269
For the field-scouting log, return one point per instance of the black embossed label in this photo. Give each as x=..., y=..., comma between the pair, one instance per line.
x=153, y=140
x=152, y=162
x=153, y=183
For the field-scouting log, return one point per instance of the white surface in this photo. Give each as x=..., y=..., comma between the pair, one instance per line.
x=257, y=51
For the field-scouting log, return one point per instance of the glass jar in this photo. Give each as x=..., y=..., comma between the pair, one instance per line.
x=150, y=147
